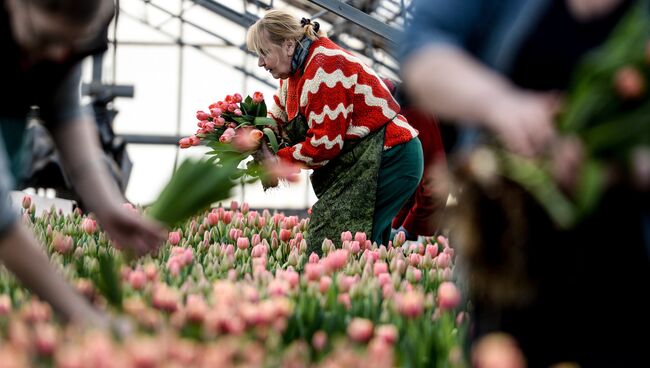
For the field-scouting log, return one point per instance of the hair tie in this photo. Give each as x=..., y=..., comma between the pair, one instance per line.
x=306, y=21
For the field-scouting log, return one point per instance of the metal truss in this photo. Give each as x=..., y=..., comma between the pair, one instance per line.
x=369, y=27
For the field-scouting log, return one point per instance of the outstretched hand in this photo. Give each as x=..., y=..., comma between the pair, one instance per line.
x=130, y=231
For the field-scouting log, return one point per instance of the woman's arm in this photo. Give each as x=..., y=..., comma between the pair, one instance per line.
x=22, y=255
x=78, y=145
x=447, y=81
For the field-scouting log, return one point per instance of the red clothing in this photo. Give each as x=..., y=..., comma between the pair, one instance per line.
x=422, y=213
x=342, y=99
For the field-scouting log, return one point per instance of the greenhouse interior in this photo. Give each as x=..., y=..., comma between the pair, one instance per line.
x=325, y=183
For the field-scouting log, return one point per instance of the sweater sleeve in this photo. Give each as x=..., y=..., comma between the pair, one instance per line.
x=328, y=102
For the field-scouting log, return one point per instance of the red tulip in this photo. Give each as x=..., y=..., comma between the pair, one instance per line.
x=258, y=97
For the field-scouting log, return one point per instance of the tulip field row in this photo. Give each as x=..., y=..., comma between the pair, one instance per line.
x=235, y=287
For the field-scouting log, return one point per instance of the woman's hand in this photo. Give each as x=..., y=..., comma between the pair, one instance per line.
x=567, y=155
x=523, y=121
x=129, y=230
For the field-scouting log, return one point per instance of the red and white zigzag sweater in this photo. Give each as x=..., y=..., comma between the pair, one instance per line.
x=342, y=99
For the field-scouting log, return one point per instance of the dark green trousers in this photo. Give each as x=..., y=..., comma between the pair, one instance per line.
x=399, y=175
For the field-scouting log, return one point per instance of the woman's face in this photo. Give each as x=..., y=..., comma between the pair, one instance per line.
x=276, y=59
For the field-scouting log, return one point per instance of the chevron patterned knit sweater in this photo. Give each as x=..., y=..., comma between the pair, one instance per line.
x=341, y=99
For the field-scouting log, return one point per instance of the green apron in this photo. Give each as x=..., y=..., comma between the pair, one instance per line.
x=346, y=187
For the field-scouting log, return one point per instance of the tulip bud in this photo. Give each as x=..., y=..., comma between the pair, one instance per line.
x=27, y=202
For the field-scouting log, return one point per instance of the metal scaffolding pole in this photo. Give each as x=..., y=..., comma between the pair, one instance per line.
x=356, y=16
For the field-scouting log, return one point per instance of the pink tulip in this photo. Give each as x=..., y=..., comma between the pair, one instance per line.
x=313, y=258
x=45, y=338
x=184, y=142
x=387, y=333
x=202, y=115
x=346, y=235
x=89, y=226
x=237, y=98
x=213, y=218
x=414, y=259
x=432, y=250
x=62, y=244
x=151, y=271
x=5, y=305
x=319, y=340
x=174, y=267
x=448, y=296
x=258, y=251
x=355, y=247
x=344, y=299
x=337, y=259
x=384, y=279
x=215, y=113
x=400, y=238
x=360, y=329
x=313, y=271
x=324, y=284
x=227, y=136
x=449, y=251
x=243, y=243
x=442, y=260
x=379, y=268
x=227, y=217
x=256, y=239
x=174, y=237
x=345, y=282
x=360, y=237
x=285, y=235
x=442, y=241
x=234, y=205
x=387, y=291
x=230, y=250
x=410, y=304
x=188, y=256
x=27, y=202
x=258, y=97
x=137, y=279
x=292, y=278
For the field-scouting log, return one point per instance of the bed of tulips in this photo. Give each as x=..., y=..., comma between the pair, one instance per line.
x=235, y=287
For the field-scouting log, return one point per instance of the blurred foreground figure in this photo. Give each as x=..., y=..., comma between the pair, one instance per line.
x=43, y=43
x=500, y=66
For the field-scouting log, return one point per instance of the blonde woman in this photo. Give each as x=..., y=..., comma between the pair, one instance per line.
x=336, y=116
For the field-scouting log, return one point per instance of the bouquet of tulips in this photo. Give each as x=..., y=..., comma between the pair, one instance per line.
x=234, y=129
x=235, y=124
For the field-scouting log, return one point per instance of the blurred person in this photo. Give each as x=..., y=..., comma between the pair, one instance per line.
x=422, y=213
x=500, y=66
x=336, y=116
x=44, y=42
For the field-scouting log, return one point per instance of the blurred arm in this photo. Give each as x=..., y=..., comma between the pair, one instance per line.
x=21, y=254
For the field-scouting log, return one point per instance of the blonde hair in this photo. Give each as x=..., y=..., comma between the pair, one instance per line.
x=279, y=26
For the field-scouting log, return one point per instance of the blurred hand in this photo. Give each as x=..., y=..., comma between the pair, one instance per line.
x=641, y=168
x=523, y=120
x=129, y=230
x=567, y=155
x=497, y=350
